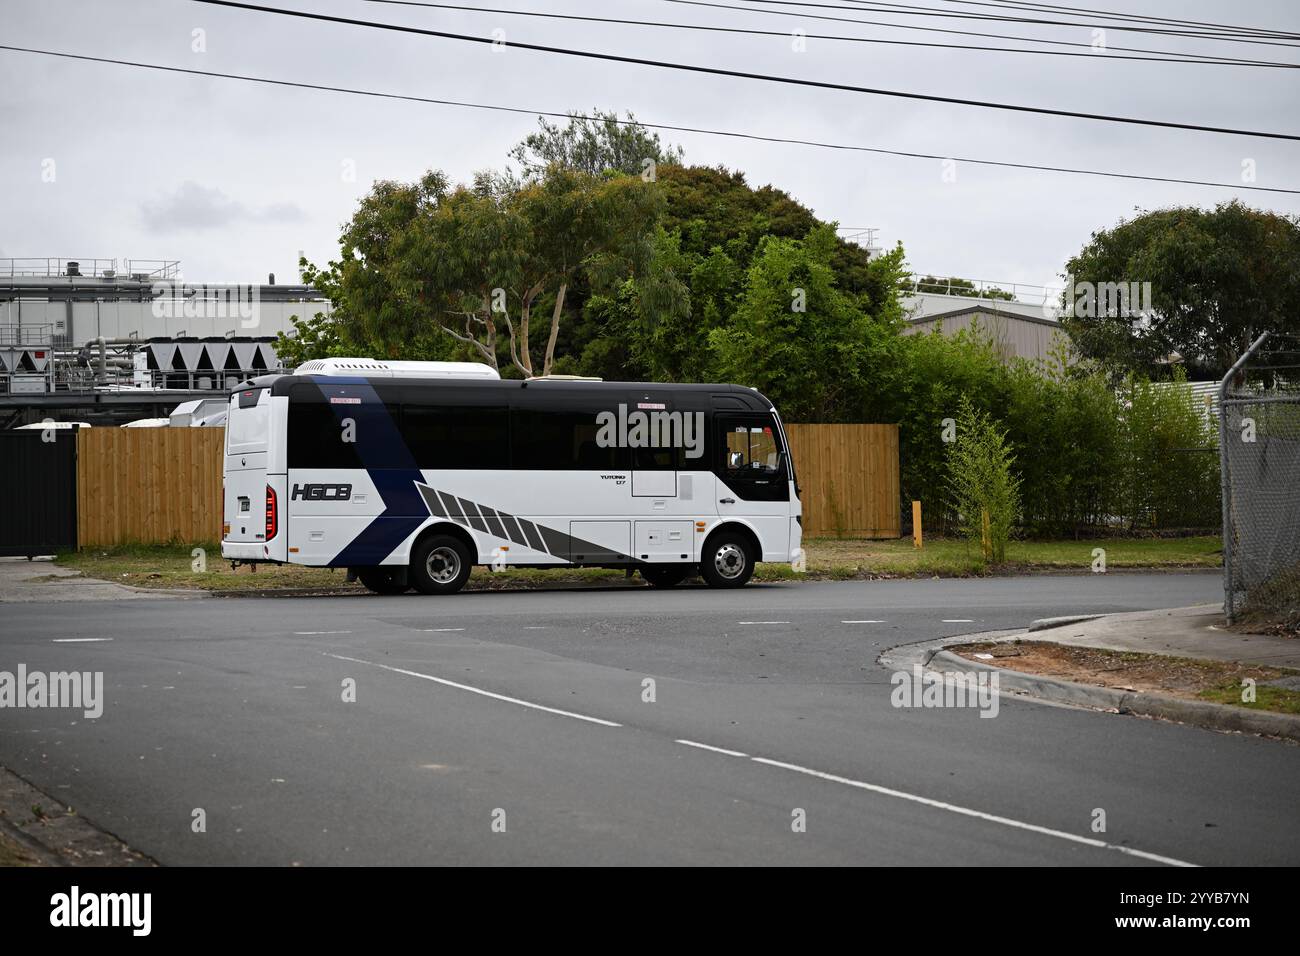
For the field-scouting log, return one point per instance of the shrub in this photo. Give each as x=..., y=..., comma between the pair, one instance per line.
x=982, y=489
x=1170, y=472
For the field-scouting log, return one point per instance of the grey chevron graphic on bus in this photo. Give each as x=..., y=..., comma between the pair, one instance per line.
x=409, y=474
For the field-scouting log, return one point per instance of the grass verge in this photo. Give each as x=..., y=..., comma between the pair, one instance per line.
x=177, y=566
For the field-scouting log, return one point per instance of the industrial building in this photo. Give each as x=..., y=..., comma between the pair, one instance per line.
x=1027, y=326
x=108, y=341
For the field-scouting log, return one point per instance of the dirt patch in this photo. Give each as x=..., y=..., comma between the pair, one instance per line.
x=1219, y=681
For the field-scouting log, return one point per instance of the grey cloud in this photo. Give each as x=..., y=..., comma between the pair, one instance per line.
x=193, y=206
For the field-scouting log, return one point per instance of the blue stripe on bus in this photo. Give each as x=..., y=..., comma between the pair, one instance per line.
x=378, y=441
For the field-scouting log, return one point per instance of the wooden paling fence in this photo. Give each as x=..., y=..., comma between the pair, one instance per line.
x=849, y=478
x=149, y=485
x=160, y=485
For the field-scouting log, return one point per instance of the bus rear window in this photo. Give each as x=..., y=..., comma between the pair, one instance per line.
x=248, y=425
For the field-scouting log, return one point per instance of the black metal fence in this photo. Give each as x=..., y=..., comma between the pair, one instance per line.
x=38, y=491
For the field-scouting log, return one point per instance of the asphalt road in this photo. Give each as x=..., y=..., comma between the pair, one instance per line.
x=527, y=710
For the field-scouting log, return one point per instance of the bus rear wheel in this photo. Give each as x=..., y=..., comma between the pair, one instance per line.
x=664, y=575
x=440, y=565
x=727, y=560
x=382, y=580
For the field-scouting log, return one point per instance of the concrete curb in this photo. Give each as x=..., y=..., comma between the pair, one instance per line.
x=179, y=593
x=1047, y=623
x=58, y=836
x=1221, y=717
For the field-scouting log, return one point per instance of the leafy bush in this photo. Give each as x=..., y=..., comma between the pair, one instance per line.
x=1168, y=473
x=917, y=383
x=982, y=488
x=1065, y=426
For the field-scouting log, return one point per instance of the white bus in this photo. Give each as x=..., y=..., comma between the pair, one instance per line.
x=409, y=473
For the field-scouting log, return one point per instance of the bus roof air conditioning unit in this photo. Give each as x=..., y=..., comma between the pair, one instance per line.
x=373, y=368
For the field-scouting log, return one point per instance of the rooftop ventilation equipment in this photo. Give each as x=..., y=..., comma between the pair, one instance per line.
x=373, y=368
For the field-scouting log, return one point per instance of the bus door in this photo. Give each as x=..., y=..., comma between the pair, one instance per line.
x=656, y=452
x=752, y=476
x=663, y=531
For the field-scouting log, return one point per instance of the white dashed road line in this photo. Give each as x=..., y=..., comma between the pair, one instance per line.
x=862, y=622
x=79, y=640
x=977, y=814
x=762, y=622
x=309, y=633
x=437, y=630
x=958, y=620
x=716, y=750
x=821, y=775
x=478, y=690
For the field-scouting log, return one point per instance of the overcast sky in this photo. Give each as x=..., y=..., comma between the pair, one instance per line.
x=234, y=178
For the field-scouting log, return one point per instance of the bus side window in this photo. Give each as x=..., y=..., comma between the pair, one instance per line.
x=545, y=439
x=458, y=436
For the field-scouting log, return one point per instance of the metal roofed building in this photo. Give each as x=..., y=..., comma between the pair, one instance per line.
x=1027, y=326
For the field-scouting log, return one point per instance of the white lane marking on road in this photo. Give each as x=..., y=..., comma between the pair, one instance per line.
x=716, y=750
x=762, y=622
x=862, y=622
x=957, y=620
x=434, y=630
x=478, y=690
x=978, y=814
x=79, y=640
x=305, y=633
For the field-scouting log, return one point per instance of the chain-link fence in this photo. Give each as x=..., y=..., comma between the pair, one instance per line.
x=1259, y=422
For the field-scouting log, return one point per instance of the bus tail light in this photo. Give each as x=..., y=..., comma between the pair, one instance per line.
x=272, y=513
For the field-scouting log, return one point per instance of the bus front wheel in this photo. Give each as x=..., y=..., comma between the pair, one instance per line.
x=440, y=565
x=727, y=560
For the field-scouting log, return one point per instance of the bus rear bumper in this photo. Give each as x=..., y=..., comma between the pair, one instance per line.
x=244, y=551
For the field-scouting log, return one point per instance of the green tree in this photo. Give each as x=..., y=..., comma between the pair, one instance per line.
x=594, y=144
x=795, y=336
x=1217, y=279
x=389, y=284
x=477, y=261
x=579, y=225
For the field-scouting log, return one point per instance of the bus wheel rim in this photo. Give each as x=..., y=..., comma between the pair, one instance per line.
x=443, y=565
x=729, y=561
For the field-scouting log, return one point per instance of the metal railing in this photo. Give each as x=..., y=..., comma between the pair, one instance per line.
x=980, y=288
x=30, y=336
x=54, y=266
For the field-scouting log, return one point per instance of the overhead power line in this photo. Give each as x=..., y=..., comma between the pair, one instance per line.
x=732, y=134
x=820, y=36
x=965, y=33
x=1143, y=17
x=898, y=9
x=764, y=77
